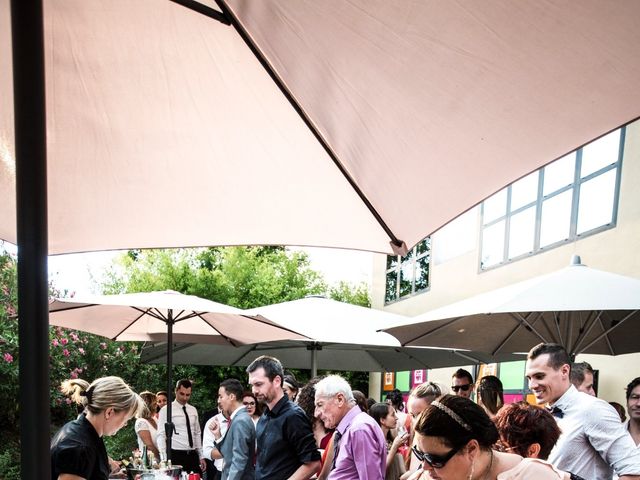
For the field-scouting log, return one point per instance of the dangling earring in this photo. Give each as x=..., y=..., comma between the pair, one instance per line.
x=473, y=466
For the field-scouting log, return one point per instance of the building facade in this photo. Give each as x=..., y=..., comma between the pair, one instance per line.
x=586, y=203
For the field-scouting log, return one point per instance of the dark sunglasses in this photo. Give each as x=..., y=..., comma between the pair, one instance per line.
x=464, y=388
x=435, y=461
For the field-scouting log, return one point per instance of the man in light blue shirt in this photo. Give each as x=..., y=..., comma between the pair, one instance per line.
x=593, y=443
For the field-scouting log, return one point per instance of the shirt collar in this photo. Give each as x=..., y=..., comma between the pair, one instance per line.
x=278, y=406
x=566, y=399
x=233, y=414
x=347, y=419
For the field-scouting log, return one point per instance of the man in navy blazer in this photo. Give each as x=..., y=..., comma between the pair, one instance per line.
x=238, y=444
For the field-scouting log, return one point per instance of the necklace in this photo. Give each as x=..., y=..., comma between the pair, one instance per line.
x=486, y=475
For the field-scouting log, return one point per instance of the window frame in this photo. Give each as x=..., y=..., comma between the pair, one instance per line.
x=575, y=186
x=398, y=269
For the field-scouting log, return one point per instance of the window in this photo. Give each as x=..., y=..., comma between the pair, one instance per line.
x=572, y=197
x=409, y=274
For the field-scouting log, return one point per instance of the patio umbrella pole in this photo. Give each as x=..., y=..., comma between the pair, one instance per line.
x=314, y=347
x=32, y=235
x=168, y=426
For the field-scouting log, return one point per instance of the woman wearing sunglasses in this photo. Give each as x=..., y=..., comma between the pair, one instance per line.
x=454, y=442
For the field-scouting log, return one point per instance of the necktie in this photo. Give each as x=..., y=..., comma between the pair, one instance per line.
x=555, y=411
x=336, y=448
x=186, y=416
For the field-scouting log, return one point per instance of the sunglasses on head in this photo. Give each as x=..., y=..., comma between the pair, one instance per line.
x=464, y=388
x=435, y=461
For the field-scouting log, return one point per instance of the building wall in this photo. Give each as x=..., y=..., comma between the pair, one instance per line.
x=614, y=250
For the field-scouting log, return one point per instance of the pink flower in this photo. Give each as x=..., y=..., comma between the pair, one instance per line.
x=55, y=342
x=65, y=352
x=74, y=337
x=74, y=374
x=81, y=350
x=64, y=341
x=103, y=346
x=68, y=400
x=8, y=357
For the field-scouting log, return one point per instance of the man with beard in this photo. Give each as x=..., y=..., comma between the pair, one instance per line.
x=286, y=446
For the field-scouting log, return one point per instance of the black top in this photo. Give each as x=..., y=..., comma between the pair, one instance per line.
x=77, y=449
x=285, y=441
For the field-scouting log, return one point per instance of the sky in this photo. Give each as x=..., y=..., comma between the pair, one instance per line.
x=73, y=272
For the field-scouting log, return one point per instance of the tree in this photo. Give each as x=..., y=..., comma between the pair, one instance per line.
x=243, y=277
x=347, y=293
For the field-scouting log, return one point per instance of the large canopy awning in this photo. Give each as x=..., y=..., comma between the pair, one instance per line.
x=164, y=129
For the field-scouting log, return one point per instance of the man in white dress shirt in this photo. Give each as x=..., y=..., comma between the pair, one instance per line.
x=633, y=408
x=209, y=449
x=593, y=443
x=186, y=442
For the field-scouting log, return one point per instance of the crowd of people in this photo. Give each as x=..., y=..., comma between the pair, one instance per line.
x=279, y=429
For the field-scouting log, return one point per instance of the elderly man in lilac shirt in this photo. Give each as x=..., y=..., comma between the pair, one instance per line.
x=359, y=447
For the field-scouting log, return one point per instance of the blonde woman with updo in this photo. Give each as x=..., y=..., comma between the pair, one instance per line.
x=146, y=427
x=77, y=450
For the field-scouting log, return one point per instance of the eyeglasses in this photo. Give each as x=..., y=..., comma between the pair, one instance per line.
x=435, y=461
x=464, y=388
x=249, y=404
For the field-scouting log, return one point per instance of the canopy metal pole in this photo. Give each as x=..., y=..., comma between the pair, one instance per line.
x=314, y=363
x=168, y=426
x=31, y=213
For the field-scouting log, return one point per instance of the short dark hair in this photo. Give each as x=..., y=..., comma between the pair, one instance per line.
x=558, y=355
x=396, y=399
x=361, y=400
x=184, y=383
x=633, y=384
x=521, y=425
x=462, y=373
x=439, y=420
x=271, y=365
x=577, y=372
x=490, y=393
x=233, y=387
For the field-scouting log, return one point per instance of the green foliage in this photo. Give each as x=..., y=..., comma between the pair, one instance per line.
x=243, y=277
x=240, y=276
x=347, y=293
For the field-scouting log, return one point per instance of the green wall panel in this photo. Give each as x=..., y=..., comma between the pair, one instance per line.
x=512, y=375
x=402, y=381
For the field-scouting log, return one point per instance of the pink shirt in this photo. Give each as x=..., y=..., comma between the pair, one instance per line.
x=363, y=452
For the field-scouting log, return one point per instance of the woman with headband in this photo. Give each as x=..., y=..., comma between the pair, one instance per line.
x=454, y=442
x=290, y=386
x=77, y=450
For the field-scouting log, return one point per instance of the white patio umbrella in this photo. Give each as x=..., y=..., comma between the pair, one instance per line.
x=169, y=316
x=316, y=356
x=157, y=115
x=341, y=336
x=584, y=309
